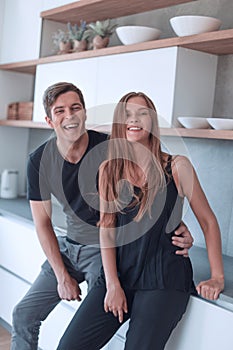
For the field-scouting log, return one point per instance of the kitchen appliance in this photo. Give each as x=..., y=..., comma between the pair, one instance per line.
x=9, y=183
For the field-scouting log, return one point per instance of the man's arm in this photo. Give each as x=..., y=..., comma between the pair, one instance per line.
x=68, y=287
x=183, y=239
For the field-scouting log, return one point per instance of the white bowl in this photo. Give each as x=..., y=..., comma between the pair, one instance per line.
x=194, y=122
x=221, y=123
x=190, y=25
x=136, y=34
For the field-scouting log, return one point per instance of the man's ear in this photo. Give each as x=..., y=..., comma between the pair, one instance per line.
x=49, y=121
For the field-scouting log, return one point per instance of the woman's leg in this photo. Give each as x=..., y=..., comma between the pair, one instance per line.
x=91, y=327
x=155, y=313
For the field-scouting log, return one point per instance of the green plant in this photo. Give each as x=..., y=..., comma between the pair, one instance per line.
x=60, y=36
x=76, y=32
x=101, y=28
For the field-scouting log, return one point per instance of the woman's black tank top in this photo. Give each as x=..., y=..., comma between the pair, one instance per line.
x=146, y=257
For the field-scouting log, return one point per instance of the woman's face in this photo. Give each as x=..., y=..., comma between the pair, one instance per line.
x=138, y=121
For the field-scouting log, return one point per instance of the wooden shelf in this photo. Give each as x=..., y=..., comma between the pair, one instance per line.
x=24, y=124
x=198, y=133
x=28, y=67
x=218, y=42
x=175, y=132
x=92, y=10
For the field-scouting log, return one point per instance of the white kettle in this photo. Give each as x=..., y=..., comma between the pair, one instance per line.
x=9, y=183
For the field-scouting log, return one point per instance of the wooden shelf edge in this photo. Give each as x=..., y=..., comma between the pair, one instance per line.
x=92, y=10
x=218, y=42
x=198, y=133
x=174, y=132
x=24, y=124
x=28, y=67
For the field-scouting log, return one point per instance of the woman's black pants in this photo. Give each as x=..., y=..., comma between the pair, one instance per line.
x=153, y=315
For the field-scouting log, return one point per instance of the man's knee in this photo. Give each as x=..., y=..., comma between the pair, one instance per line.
x=22, y=316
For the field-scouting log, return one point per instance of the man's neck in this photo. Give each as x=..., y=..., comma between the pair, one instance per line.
x=73, y=152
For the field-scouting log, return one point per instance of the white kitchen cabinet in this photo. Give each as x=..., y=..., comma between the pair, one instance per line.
x=57, y=321
x=82, y=73
x=11, y=291
x=175, y=78
x=21, y=252
x=204, y=326
x=21, y=30
x=152, y=72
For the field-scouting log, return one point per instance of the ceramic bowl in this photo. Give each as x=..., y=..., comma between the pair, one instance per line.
x=221, y=123
x=194, y=122
x=136, y=34
x=190, y=25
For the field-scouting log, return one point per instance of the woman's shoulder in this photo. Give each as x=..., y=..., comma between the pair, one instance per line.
x=176, y=160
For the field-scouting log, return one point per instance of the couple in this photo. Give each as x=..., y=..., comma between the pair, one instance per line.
x=141, y=191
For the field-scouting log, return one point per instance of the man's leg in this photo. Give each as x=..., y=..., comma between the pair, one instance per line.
x=88, y=261
x=39, y=301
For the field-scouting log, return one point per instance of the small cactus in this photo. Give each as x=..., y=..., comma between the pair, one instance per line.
x=76, y=32
x=101, y=28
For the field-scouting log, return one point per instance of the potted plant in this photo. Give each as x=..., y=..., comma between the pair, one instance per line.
x=100, y=31
x=62, y=41
x=78, y=35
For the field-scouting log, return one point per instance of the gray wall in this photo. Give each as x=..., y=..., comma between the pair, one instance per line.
x=212, y=160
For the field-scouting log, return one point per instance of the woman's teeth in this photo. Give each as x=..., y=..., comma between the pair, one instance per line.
x=134, y=128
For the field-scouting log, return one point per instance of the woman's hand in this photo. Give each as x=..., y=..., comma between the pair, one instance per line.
x=211, y=288
x=115, y=302
x=182, y=239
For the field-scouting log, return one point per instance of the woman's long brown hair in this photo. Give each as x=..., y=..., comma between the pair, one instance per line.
x=120, y=165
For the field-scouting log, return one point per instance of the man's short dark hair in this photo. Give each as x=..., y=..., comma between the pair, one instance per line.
x=54, y=91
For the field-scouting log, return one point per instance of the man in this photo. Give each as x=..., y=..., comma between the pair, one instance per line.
x=61, y=168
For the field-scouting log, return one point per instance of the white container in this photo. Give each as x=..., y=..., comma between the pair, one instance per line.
x=9, y=184
x=221, y=123
x=137, y=34
x=190, y=25
x=194, y=122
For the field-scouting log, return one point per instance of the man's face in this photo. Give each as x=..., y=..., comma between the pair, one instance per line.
x=68, y=117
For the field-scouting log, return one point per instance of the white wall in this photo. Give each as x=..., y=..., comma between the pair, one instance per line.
x=20, y=30
x=48, y=4
x=2, y=4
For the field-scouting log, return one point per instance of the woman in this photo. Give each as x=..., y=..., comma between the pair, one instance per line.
x=141, y=194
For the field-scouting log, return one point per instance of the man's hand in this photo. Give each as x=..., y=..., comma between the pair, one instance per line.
x=182, y=239
x=68, y=289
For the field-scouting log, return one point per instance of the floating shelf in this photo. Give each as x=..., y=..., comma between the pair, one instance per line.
x=198, y=133
x=218, y=42
x=92, y=10
x=24, y=124
x=175, y=132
